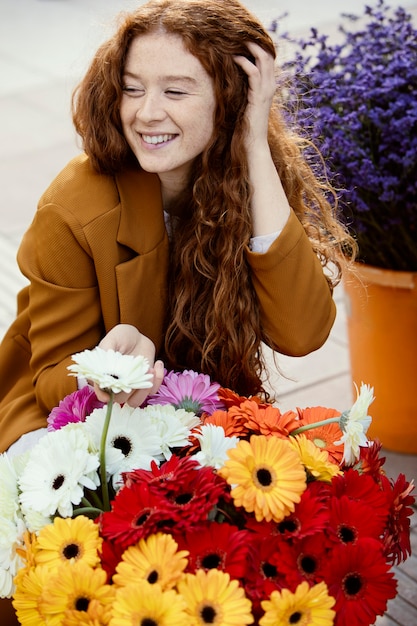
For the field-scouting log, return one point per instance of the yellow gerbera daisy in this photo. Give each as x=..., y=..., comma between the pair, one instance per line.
x=77, y=590
x=316, y=461
x=155, y=559
x=267, y=476
x=212, y=598
x=307, y=606
x=31, y=587
x=143, y=603
x=69, y=540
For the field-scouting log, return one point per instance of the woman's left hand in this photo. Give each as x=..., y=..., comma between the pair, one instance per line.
x=262, y=87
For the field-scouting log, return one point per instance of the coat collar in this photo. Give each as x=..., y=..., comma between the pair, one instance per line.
x=142, y=224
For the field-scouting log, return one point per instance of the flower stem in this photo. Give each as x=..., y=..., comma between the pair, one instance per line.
x=87, y=511
x=103, y=477
x=301, y=429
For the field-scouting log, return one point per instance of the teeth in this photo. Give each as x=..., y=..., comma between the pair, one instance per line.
x=154, y=139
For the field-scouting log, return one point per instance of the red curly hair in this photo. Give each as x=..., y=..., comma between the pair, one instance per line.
x=214, y=323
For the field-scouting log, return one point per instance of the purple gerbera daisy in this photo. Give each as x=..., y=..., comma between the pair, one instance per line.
x=190, y=391
x=74, y=408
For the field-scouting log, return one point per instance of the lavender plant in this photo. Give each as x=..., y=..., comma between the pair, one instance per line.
x=357, y=100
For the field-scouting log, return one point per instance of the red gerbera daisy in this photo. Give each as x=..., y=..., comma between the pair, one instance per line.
x=302, y=560
x=370, y=461
x=397, y=535
x=110, y=557
x=361, y=487
x=136, y=512
x=359, y=579
x=350, y=520
x=310, y=516
x=216, y=546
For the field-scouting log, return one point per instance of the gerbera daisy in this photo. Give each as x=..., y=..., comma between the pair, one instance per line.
x=267, y=420
x=74, y=408
x=355, y=423
x=155, y=559
x=349, y=520
x=233, y=425
x=190, y=391
x=308, y=605
x=112, y=370
x=217, y=546
x=68, y=540
x=127, y=446
x=397, y=534
x=75, y=590
x=212, y=598
x=213, y=446
x=59, y=468
x=266, y=475
x=136, y=513
x=9, y=502
x=323, y=436
x=172, y=425
x=315, y=460
x=146, y=604
x=359, y=578
x=31, y=586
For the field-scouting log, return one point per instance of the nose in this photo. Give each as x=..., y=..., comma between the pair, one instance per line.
x=151, y=108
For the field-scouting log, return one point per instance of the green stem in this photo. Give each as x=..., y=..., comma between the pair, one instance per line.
x=103, y=477
x=87, y=510
x=301, y=429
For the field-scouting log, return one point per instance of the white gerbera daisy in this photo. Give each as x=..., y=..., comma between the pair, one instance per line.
x=214, y=446
x=9, y=501
x=60, y=466
x=11, y=538
x=355, y=423
x=111, y=370
x=173, y=425
x=132, y=441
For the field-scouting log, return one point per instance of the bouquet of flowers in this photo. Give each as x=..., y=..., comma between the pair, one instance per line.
x=357, y=100
x=202, y=507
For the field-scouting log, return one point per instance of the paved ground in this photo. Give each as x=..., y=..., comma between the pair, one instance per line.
x=44, y=48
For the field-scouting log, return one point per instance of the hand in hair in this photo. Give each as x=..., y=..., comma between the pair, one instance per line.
x=262, y=87
x=126, y=339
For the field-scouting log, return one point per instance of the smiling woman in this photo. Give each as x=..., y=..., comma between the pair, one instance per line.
x=191, y=230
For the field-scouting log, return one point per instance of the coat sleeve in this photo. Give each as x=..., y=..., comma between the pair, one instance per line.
x=296, y=304
x=64, y=301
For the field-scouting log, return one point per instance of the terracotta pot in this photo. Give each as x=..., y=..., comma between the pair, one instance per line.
x=382, y=331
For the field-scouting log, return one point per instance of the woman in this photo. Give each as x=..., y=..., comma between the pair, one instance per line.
x=190, y=230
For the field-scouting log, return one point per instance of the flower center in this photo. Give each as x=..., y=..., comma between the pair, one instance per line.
x=58, y=481
x=347, y=534
x=189, y=404
x=264, y=477
x=211, y=561
x=288, y=525
x=123, y=444
x=183, y=498
x=269, y=570
x=295, y=617
x=153, y=577
x=308, y=564
x=141, y=519
x=320, y=443
x=208, y=614
x=148, y=621
x=71, y=551
x=81, y=604
x=352, y=584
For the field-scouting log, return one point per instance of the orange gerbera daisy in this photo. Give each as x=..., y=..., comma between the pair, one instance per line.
x=267, y=419
x=323, y=436
x=231, y=398
x=233, y=425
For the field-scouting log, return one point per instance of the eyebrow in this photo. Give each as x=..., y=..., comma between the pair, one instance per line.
x=171, y=78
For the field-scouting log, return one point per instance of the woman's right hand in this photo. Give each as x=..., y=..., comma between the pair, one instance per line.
x=127, y=339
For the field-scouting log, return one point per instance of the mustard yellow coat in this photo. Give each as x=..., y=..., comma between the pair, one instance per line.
x=96, y=254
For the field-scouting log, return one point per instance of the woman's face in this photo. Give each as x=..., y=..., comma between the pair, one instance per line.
x=168, y=106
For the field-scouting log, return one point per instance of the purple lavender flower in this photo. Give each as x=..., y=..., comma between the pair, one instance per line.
x=357, y=101
x=190, y=391
x=74, y=408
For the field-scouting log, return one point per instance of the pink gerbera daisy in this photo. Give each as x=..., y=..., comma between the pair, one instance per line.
x=74, y=408
x=190, y=391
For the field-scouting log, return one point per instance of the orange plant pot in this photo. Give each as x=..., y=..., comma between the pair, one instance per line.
x=382, y=330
